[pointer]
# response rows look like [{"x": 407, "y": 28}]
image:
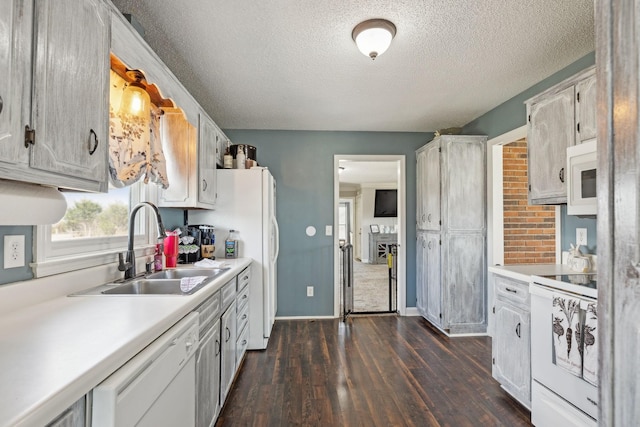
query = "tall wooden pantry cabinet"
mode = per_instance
[{"x": 451, "y": 278}]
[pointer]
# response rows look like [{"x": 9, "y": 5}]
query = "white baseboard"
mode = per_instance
[
  {"x": 411, "y": 311},
  {"x": 304, "y": 317}
]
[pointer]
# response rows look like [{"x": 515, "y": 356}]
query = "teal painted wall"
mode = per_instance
[
  {"x": 511, "y": 115},
  {"x": 302, "y": 164}
]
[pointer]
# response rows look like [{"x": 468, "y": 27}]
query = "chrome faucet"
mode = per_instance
[{"x": 129, "y": 265}]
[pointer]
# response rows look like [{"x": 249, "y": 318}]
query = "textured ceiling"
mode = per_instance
[{"x": 291, "y": 64}]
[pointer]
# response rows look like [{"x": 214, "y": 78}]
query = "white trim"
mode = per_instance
[
  {"x": 411, "y": 311},
  {"x": 402, "y": 225},
  {"x": 558, "y": 236}
]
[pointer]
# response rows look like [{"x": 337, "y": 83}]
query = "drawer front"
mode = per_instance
[
  {"x": 209, "y": 311},
  {"x": 228, "y": 293},
  {"x": 241, "y": 345},
  {"x": 242, "y": 318},
  {"x": 242, "y": 298},
  {"x": 243, "y": 278},
  {"x": 513, "y": 291}
]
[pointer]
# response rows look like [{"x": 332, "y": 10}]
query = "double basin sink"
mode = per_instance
[{"x": 166, "y": 282}]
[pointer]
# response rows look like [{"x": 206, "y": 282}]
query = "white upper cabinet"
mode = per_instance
[
  {"x": 64, "y": 101},
  {"x": 561, "y": 116},
  {"x": 15, "y": 33},
  {"x": 586, "y": 110},
  {"x": 71, "y": 88},
  {"x": 208, "y": 137}
]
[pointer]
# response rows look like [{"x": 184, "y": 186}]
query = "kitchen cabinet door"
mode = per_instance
[
  {"x": 15, "y": 60},
  {"x": 433, "y": 279},
  {"x": 511, "y": 350},
  {"x": 550, "y": 132},
  {"x": 70, "y": 90},
  {"x": 421, "y": 266},
  {"x": 208, "y": 378},
  {"x": 73, "y": 416},
  {"x": 464, "y": 283},
  {"x": 421, "y": 200},
  {"x": 228, "y": 361},
  {"x": 207, "y": 136},
  {"x": 432, "y": 186},
  {"x": 586, "y": 110}
]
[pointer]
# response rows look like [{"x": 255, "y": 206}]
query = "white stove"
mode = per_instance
[{"x": 564, "y": 350}]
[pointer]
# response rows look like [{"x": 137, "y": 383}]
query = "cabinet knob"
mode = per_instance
[{"x": 93, "y": 138}]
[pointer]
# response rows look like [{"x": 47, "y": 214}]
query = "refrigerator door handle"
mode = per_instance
[{"x": 276, "y": 238}]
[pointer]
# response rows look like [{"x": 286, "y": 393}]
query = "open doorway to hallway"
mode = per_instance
[{"x": 370, "y": 216}]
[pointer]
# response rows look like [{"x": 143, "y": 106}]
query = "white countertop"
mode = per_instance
[
  {"x": 54, "y": 352},
  {"x": 523, "y": 272}
]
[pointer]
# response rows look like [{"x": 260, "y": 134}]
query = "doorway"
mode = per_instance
[{"x": 377, "y": 288}]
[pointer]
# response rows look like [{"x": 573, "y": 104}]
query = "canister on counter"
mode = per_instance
[{"x": 231, "y": 245}]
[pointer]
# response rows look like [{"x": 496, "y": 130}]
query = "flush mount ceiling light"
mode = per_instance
[{"x": 374, "y": 36}]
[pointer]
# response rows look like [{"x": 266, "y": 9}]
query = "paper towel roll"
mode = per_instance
[{"x": 30, "y": 204}]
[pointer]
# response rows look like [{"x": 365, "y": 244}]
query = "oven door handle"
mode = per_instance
[{"x": 518, "y": 330}]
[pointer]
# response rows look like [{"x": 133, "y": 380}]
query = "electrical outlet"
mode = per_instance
[
  {"x": 309, "y": 291},
  {"x": 581, "y": 236},
  {"x": 13, "y": 251}
]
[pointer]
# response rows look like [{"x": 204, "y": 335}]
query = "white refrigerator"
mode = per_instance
[{"x": 247, "y": 203}]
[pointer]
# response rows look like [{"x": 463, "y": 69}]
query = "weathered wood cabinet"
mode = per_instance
[
  {"x": 208, "y": 138},
  {"x": 54, "y": 128},
  {"x": 511, "y": 341},
  {"x": 228, "y": 364},
  {"x": 74, "y": 416},
  {"x": 451, "y": 204},
  {"x": 561, "y": 116}
]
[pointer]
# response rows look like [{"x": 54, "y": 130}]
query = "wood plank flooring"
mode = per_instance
[{"x": 371, "y": 371}]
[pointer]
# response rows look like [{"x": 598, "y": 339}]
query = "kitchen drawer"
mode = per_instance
[
  {"x": 241, "y": 345},
  {"x": 243, "y": 278},
  {"x": 242, "y": 318},
  {"x": 228, "y": 293},
  {"x": 209, "y": 311},
  {"x": 512, "y": 291},
  {"x": 242, "y": 298}
]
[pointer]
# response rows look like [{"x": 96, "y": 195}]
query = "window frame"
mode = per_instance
[{"x": 55, "y": 257}]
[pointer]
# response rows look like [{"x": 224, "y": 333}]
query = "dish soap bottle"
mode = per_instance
[{"x": 240, "y": 157}]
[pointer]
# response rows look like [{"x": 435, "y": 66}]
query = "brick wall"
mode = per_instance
[{"x": 529, "y": 231}]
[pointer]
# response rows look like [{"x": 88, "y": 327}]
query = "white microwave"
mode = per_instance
[{"x": 581, "y": 179}]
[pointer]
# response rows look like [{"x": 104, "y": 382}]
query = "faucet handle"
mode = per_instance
[{"x": 122, "y": 266}]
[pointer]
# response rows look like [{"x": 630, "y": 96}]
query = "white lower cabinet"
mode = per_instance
[
  {"x": 208, "y": 378},
  {"x": 228, "y": 363},
  {"x": 74, "y": 416},
  {"x": 512, "y": 338}
]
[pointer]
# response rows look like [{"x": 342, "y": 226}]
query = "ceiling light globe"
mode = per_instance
[{"x": 373, "y": 37}]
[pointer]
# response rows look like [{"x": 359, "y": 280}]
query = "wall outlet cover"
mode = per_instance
[
  {"x": 13, "y": 251},
  {"x": 309, "y": 291},
  {"x": 581, "y": 236}
]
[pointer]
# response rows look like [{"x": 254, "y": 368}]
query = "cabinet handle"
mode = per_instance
[
  {"x": 95, "y": 142},
  {"x": 244, "y": 342},
  {"x": 429, "y": 217},
  {"x": 578, "y": 126},
  {"x": 245, "y": 278},
  {"x": 0, "y": 104},
  {"x": 244, "y": 296},
  {"x": 204, "y": 185},
  {"x": 511, "y": 290},
  {"x": 217, "y": 347},
  {"x": 518, "y": 330},
  {"x": 561, "y": 175},
  {"x": 423, "y": 218},
  {"x": 244, "y": 316},
  {"x": 429, "y": 245},
  {"x": 228, "y": 335}
]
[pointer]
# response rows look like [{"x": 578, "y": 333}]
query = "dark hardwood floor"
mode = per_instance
[{"x": 371, "y": 371}]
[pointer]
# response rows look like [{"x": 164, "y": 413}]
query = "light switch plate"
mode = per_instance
[
  {"x": 328, "y": 230},
  {"x": 581, "y": 236},
  {"x": 309, "y": 291},
  {"x": 13, "y": 251}
]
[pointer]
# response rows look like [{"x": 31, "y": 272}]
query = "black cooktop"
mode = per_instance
[{"x": 580, "y": 279}]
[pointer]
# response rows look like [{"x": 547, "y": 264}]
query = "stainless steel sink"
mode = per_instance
[
  {"x": 167, "y": 282},
  {"x": 186, "y": 272},
  {"x": 150, "y": 287}
]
